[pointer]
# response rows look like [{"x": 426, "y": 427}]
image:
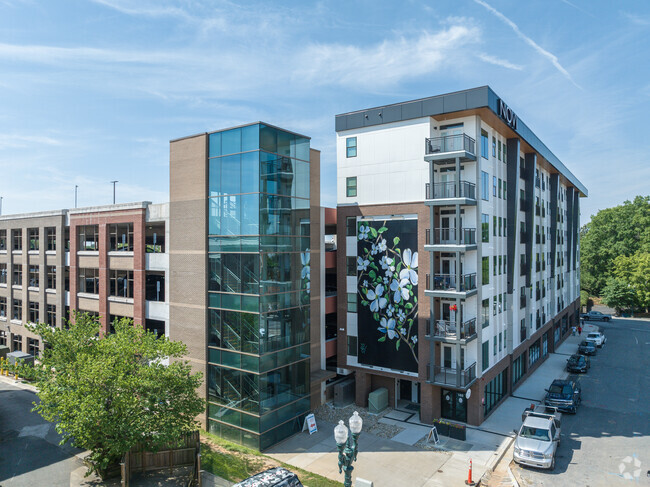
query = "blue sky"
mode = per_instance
[{"x": 92, "y": 91}]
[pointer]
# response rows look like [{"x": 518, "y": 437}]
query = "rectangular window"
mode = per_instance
[
  {"x": 3, "y": 273},
  {"x": 32, "y": 347},
  {"x": 352, "y": 345},
  {"x": 485, "y": 263},
  {"x": 505, "y": 302},
  {"x": 51, "y": 277},
  {"x": 51, "y": 315},
  {"x": 494, "y": 186},
  {"x": 499, "y": 157},
  {"x": 351, "y": 187},
  {"x": 494, "y": 305},
  {"x": 499, "y": 191},
  {"x": 121, "y": 237},
  {"x": 485, "y": 356},
  {"x": 494, "y": 265},
  {"x": 500, "y": 263},
  {"x": 155, "y": 284},
  {"x": 494, "y": 147},
  {"x": 494, "y": 345},
  {"x": 3, "y": 307},
  {"x": 352, "y": 303},
  {"x": 50, "y": 235},
  {"x": 522, "y": 330},
  {"x": 484, "y": 144},
  {"x": 17, "y": 311},
  {"x": 33, "y": 312},
  {"x": 17, "y": 239},
  {"x": 485, "y": 227},
  {"x": 351, "y": 226},
  {"x": 500, "y": 342},
  {"x": 18, "y": 343},
  {"x": 32, "y": 234},
  {"x": 485, "y": 186},
  {"x": 504, "y": 152},
  {"x": 3, "y": 240},
  {"x": 500, "y": 303},
  {"x": 121, "y": 283},
  {"x": 500, "y": 223},
  {"x": 18, "y": 275},
  {"x": 351, "y": 266},
  {"x": 485, "y": 312},
  {"x": 351, "y": 147},
  {"x": 33, "y": 276},
  {"x": 88, "y": 236},
  {"x": 88, "y": 281},
  {"x": 494, "y": 226}
]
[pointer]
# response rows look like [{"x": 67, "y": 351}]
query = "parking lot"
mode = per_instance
[{"x": 606, "y": 443}]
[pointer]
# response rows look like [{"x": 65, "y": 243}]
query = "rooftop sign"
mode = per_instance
[{"x": 508, "y": 115}]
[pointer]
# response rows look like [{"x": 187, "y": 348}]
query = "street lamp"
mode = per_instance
[{"x": 348, "y": 446}]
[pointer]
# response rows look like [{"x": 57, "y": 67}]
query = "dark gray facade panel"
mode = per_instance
[
  {"x": 555, "y": 181},
  {"x": 341, "y": 122},
  {"x": 355, "y": 120},
  {"x": 373, "y": 117},
  {"x": 411, "y": 110},
  {"x": 477, "y": 97},
  {"x": 392, "y": 114},
  {"x": 455, "y": 102},
  {"x": 529, "y": 185},
  {"x": 512, "y": 198},
  {"x": 576, "y": 226},
  {"x": 432, "y": 106},
  {"x": 570, "y": 221}
]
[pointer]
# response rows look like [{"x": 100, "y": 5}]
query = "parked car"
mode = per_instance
[
  {"x": 538, "y": 440},
  {"x": 596, "y": 316},
  {"x": 563, "y": 395},
  {"x": 587, "y": 348},
  {"x": 273, "y": 477},
  {"x": 578, "y": 364},
  {"x": 597, "y": 337}
]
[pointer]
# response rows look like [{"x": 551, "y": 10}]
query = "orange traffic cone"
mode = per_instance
[{"x": 469, "y": 474}]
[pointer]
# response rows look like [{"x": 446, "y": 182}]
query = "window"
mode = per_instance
[
  {"x": 495, "y": 390},
  {"x": 351, "y": 266},
  {"x": 121, "y": 237},
  {"x": 485, "y": 186},
  {"x": 352, "y": 345},
  {"x": 121, "y": 283},
  {"x": 494, "y": 305},
  {"x": 499, "y": 156},
  {"x": 351, "y": 187},
  {"x": 51, "y": 277},
  {"x": 485, "y": 356},
  {"x": 533, "y": 354},
  {"x": 88, "y": 237},
  {"x": 522, "y": 330},
  {"x": 500, "y": 307},
  {"x": 18, "y": 275},
  {"x": 88, "y": 281},
  {"x": 504, "y": 152},
  {"x": 3, "y": 273},
  {"x": 494, "y": 186},
  {"x": 155, "y": 286},
  {"x": 494, "y": 147},
  {"x": 33, "y": 312},
  {"x": 484, "y": 144},
  {"x": 3, "y": 307},
  {"x": 32, "y": 235},
  {"x": 500, "y": 342},
  {"x": 500, "y": 263},
  {"x": 352, "y": 303},
  {"x": 351, "y": 226},
  {"x": 3, "y": 239},
  {"x": 18, "y": 343},
  {"x": 32, "y": 347},
  {"x": 505, "y": 186},
  {"x": 17, "y": 239},
  {"x": 500, "y": 222},
  {"x": 494, "y": 345},
  {"x": 33, "y": 276},
  {"x": 485, "y": 312},
  {"x": 51, "y": 315},
  {"x": 50, "y": 235},
  {"x": 17, "y": 311},
  {"x": 485, "y": 227},
  {"x": 499, "y": 192},
  {"x": 485, "y": 261},
  {"x": 494, "y": 265},
  {"x": 351, "y": 147}
]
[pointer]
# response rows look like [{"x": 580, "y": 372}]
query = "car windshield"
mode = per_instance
[
  {"x": 575, "y": 359},
  {"x": 592, "y": 335},
  {"x": 558, "y": 389},
  {"x": 534, "y": 433},
  {"x": 585, "y": 344}
]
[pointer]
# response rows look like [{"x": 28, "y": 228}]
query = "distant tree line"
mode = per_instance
[{"x": 615, "y": 255}]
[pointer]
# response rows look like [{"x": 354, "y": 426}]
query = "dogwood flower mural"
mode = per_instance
[{"x": 388, "y": 278}]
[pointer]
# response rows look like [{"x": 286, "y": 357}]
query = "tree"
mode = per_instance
[
  {"x": 108, "y": 394},
  {"x": 619, "y": 295},
  {"x": 634, "y": 270}
]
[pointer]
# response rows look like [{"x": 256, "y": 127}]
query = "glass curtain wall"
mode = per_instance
[{"x": 259, "y": 283}]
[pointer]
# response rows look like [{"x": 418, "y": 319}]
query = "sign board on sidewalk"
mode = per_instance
[
  {"x": 433, "y": 435},
  {"x": 310, "y": 424}
]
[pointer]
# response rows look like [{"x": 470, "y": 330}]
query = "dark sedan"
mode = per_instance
[
  {"x": 587, "y": 348},
  {"x": 578, "y": 364}
]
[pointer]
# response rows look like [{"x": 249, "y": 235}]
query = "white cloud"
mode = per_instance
[
  {"x": 13, "y": 141},
  {"x": 637, "y": 19},
  {"x": 551, "y": 57},
  {"x": 499, "y": 62}
]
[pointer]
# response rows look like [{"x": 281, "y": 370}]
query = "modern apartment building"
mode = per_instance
[
  {"x": 245, "y": 228},
  {"x": 458, "y": 231},
  {"x": 109, "y": 261}
]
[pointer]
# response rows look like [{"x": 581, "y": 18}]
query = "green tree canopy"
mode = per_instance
[
  {"x": 107, "y": 394},
  {"x": 619, "y": 295},
  {"x": 619, "y": 231}
]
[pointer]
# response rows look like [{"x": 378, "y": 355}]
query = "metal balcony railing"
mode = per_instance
[
  {"x": 447, "y": 329},
  {"x": 450, "y": 143},
  {"x": 448, "y": 236},
  {"x": 447, "y": 282},
  {"x": 452, "y": 377},
  {"x": 449, "y": 190}
]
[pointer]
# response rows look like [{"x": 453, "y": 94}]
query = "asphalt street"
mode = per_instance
[
  {"x": 29, "y": 452},
  {"x": 607, "y": 443}
]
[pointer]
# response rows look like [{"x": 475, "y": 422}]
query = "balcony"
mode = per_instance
[
  {"x": 447, "y": 193},
  {"x": 450, "y": 239},
  {"x": 448, "y": 148},
  {"x": 448, "y": 376},
  {"x": 446, "y": 331},
  {"x": 447, "y": 286}
]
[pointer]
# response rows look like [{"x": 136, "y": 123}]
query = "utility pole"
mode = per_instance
[
  {"x": 0, "y": 205},
  {"x": 75, "y": 195},
  {"x": 114, "y": 190}
]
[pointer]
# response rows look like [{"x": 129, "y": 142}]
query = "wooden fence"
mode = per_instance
[{"x": 184, "y": 453}]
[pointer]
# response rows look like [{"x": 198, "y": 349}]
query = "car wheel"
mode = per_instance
[{"x": 552, "y": 467}]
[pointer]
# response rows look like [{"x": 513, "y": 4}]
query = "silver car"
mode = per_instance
[{"x": 537, "y": 441}]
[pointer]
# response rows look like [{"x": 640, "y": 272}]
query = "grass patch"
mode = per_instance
[{"x": 235, "y": 462}]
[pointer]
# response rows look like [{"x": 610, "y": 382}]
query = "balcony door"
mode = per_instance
[
  {"x": 452, "y": 143},
  {"x": 449, "y": 357}
]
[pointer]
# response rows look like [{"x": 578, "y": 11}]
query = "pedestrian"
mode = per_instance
[
  {"x": 579, "y": 330},
  {"x": 573, "y": 330}
]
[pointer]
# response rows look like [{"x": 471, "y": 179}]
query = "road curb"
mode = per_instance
[{"x": 505, "y": 446}]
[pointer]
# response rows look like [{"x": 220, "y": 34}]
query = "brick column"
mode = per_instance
[
  {"x": 74, "y": 279},
  {"x": 139, "y": 233},
  {"x": 104, "y": 289}
]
